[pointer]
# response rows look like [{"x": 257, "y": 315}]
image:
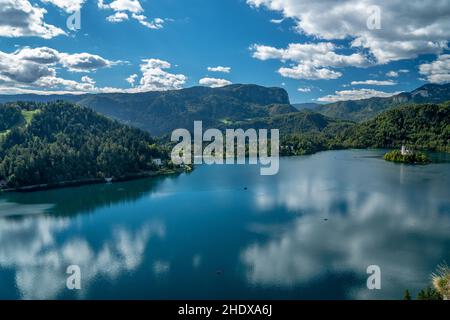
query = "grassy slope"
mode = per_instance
[
  {"x": 29, "y": 115},
  {"x": 27, "y": 118}
]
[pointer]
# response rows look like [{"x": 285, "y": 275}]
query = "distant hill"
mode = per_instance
[
  {"x": 422, "y": 126},
  {"x": 307, "y": 106},
  {"x": 360, "y": 110},
  {"x": 41, "y": 97},
  {"x": 58, "y": 141},
  {"x": 161, "y": 112},
  {"x": 305, "y": 121}
]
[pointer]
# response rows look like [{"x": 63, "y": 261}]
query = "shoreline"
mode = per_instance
[
  {"x": 143, "y": 175},
  {"x": 91, "y": 181}
]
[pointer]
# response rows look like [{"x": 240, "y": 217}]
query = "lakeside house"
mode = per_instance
[{"x": 157, "y": 161}]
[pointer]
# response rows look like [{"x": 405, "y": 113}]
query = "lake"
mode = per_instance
[{"x": 225, "y": 232}]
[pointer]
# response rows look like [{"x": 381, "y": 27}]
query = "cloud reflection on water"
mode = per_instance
[
  {"x": 29, "y": 247},
  {"x": 341, "y": 226}
]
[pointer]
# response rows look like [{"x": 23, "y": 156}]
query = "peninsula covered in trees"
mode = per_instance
[{"x": 45, "y": 143}]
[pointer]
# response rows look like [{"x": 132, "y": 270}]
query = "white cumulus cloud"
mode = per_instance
[
  {"x": 19, "y": 18},
  {"x": 87, "y": 79},
  {"x": 123, "y": 9},
  {"x": 35, "y": 68},
  {"x": 214, "y": 82},
  {"x": 155, "y": 77},
  {"x": 437, "y": 71},
  {"x": 392, "y": 74},
  {"x": 395, "y": 74},
  {"x": 357, "y": 94},
  {"x": 68, "y": 6},
  {"x": 132, "y": 79},
  {"x": 276, "y": 21},
  {"x": 117, "y": 17},
  {"x": 406, "y": 31},
  {"x": 84, "y": 62},
  {"x": 309, "y": 72},
  {"x": 375, "y": 83},
  {"x": 219, "y": 69},
  {"x": 312, "y": 61},
  {"x": 13, "y": 69}
]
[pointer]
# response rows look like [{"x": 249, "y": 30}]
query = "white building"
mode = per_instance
[
  {"x": 157, "y": 161},
  {"x": 405, "y": 151}
]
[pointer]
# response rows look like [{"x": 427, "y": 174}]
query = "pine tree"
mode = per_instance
[{"x": 407, "y": 295}]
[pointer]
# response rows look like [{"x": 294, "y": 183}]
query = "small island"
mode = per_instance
[{"x": 407, "y": 156}]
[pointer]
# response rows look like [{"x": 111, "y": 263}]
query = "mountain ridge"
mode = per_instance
[
  {"x": 364, "y": 109},
  {"x": 160, "y": 112}
]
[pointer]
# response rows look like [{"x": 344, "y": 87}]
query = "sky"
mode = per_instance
[{"x": 320, "y": 51}]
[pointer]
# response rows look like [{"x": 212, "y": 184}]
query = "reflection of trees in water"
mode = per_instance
[
  {"x": 32, "y": 223},
  {"x": 439, "y": 157},
  {"x": 88, "y": 198},
  {"x": 30, "y": 247}
]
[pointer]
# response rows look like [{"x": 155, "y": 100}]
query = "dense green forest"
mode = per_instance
[
  {"x": 421, "y": 126},
  {"x": 64, "y": 142},
  {"x": 10, "y": 116},
  {"x": 302, "y": 132},
  {"x": 304, "y": 121},
  {"x": 424, "y": 126}
]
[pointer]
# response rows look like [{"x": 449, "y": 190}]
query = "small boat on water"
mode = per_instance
[{"x": 108, "y": 180}]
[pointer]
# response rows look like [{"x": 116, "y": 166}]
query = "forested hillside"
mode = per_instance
[
  {"x": 293, "y": 123},
  {"x": 424, "y": 126},
  {"x": 53, "y": 142},
  {"x": 160, "y": 112},
  {"x": 362, "y": 110},
  {"x": 9, "y": 117}
]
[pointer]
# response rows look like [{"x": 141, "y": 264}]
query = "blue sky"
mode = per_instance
[{"x": 170, "y": 44}]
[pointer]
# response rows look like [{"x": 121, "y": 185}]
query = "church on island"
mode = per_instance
[{"x": 405, "y": 151}]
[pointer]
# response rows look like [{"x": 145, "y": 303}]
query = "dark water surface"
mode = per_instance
[{"x": 309, "y": 232}]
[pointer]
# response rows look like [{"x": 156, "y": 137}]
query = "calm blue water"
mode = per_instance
[{"x": 309, "y": 232}]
